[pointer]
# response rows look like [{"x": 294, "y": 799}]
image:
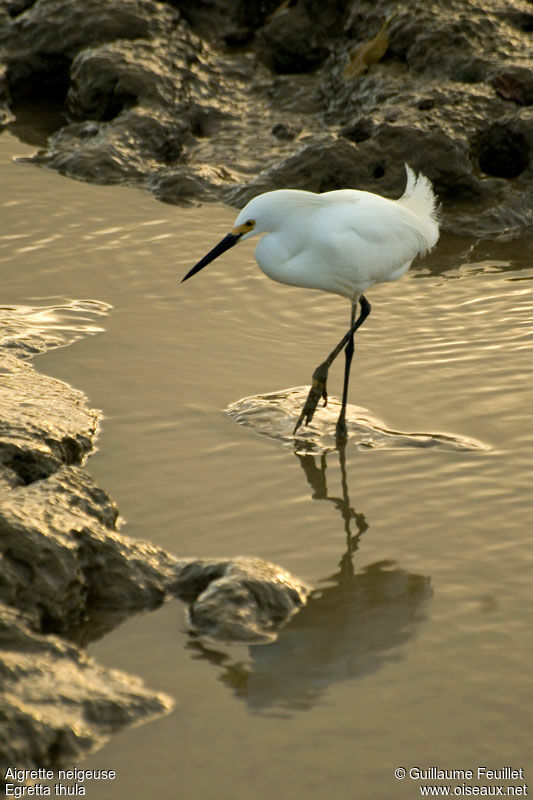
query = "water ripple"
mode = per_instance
[{"x": 36, "y": 329}]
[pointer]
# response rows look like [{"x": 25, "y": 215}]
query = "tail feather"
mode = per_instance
[{"x": 420, "y": 198}]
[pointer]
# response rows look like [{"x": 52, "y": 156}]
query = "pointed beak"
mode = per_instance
[{"x": 227, "y": 242}]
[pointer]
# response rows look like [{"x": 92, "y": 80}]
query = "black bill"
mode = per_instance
[{"x": 227, "y": 242}]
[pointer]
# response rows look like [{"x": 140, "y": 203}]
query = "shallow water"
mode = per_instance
[{"x": 416, "y": 647}]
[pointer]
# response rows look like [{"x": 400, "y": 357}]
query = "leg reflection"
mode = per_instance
[{"x": 355, "y": 523}]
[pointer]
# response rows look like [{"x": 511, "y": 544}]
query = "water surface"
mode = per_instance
[{"x": 416, "y": 647}]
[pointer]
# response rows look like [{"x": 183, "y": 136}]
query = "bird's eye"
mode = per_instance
[{"x": 250, "y": 223}]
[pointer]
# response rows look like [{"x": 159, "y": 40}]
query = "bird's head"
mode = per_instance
[
  {"x": 244, "y": 228},
  {"x": 265, "y": 213}
]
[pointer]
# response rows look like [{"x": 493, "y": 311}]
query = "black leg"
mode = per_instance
[
  {"x": 341, "y": 432},
  {"x": 320, "y": 375}
]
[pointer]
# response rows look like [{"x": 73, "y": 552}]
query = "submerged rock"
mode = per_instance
[
  {"x": 274, "y": 415},
  {"x": 218, "y": 100}
]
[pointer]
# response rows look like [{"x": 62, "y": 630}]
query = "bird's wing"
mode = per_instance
[{"x": 368, "y": 238}]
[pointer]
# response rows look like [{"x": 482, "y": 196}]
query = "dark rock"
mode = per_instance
[
  {"x": 518, "y": 18},
  {"x": 239, "y": 600},
  {"x": 515, "y": 83},
  {"x": 358, "y": 131},
  {"x": 16, "y": 7},
  {"x": 376, "y": 164},
  {"x": 282, "y": 131},
  {"x": 239, "y": 38},
  {"x": 142, "y": 92},
  {"x": 502, "y": 151},
  {"x": 60, "y": 26},
  {"x": 44, "y": 424},
  {"x": 425, "y": 104},
  {"x": 56, "y": 703},
  {"x": 207, "y": 17},
  {"x": 254, "y": 13},
  {"x": 291, "y": 42}
]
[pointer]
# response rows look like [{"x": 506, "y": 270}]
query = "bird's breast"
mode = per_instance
[
  {"x": 274, "y": 253},
  {"x": 309, "y": 262}
]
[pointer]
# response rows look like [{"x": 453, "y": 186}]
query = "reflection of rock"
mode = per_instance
[
  {"x": 144, "y": 89},
  {"x": 242, "y": 600},
  {"x": 56, "y": 703}
]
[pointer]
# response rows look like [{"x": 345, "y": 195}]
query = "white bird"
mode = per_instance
[{"x": 341, "y": 242}]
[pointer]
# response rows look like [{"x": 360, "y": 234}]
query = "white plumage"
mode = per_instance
[{"x": 341, "y": 242}]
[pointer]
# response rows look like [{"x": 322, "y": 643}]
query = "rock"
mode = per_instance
[
  {"x": 42, "y": 41},
  {"x": 105, "y": 80},
  {"x": 291, "y": 42},
  {"x": 63, "y": 559},
  {"x": 65, "y": 569},
  {"x": 56, "y": 703},
  {"x": 502, "y": 149},
  {"x": 160, "y": 97},
  {"x": 133, "y": 146},
  {"x": 188, "y": 184},
  {"x": 44, "y": 423},
  {"x": 62, "y": 26},
  {"x": 62, "y": 556},
  {"x": 238, "y": 600},
  {"x": 376, "y": 164},
  {"x": 514, "y": 83},
  {"x": 320, "y": 164},
  {"x": 239, "y": 38},
  {"x": 282, "y": 131}
]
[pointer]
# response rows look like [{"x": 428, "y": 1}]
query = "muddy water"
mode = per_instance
[{"x": 415, "y": 650}]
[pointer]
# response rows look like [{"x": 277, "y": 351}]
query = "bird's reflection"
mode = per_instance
[{"x": 350, "y": 627}]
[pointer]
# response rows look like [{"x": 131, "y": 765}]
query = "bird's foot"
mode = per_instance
[{"x": 317, "y": 391}]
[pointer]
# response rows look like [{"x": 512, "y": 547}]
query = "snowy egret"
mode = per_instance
[{"x": 341, "y": 242}]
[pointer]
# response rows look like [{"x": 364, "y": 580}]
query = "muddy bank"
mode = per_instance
[
  {"x": 222, "y": 100},
  {"x": 68, "y": 575}
]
